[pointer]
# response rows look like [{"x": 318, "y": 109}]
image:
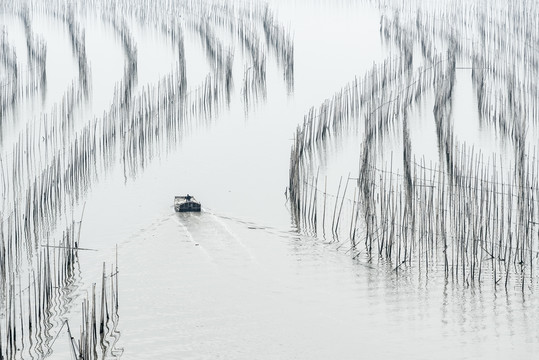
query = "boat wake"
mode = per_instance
[{"x": 211, "y": 232}]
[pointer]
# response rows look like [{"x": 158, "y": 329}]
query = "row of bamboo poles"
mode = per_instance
[
  {"x": 53, "y": 161},
  {"x": 470, "y": 215}
]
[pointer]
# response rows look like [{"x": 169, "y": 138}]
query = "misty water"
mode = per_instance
[{"x": 243, "y": 279}]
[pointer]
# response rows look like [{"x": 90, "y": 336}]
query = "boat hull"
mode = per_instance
[
  {"x": 188, "y": 206},
  {"x": 185, "y": 204}
]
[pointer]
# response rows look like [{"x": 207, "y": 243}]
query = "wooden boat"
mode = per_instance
[{"x": 186, "y": 203}]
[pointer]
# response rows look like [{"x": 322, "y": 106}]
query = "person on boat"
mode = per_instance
[{"x": 188, "y": 197}]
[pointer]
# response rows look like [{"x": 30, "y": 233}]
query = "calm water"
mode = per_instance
[{"x": 238, "y": 281}]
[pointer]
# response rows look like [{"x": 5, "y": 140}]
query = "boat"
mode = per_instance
[{"x": 186, "y": 203}]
